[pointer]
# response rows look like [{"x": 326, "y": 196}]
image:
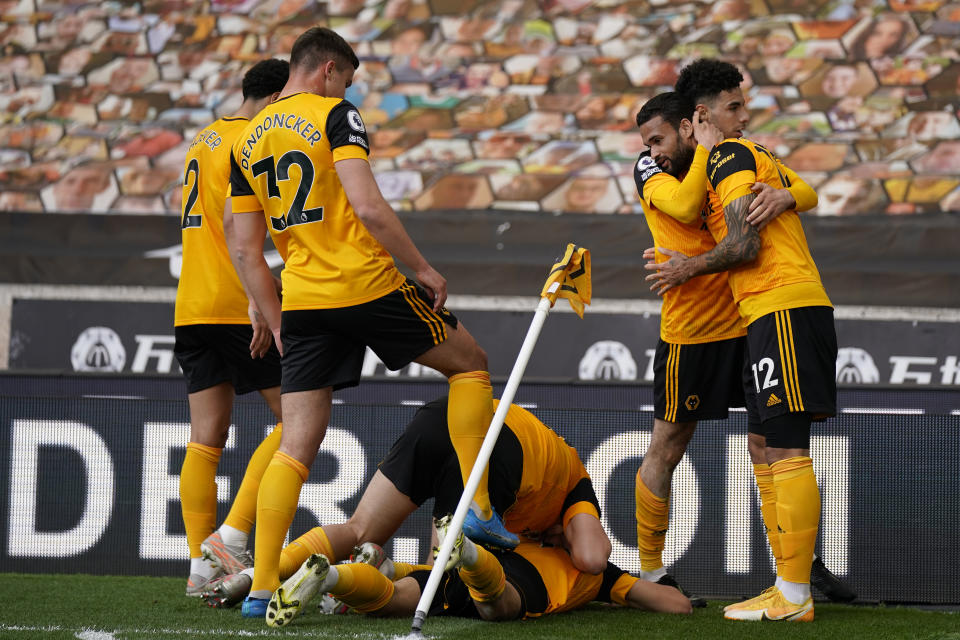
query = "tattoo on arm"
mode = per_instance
[{"x": 741, "y": 244}]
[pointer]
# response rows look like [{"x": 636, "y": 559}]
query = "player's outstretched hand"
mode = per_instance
[
  {"x": 260, "y": 343},
  {"x": 769, "y": 203},
  {"x": 436, "y": 286},
  {"x": 705, "y": 132},
  {"x": 672, "y": 273}
]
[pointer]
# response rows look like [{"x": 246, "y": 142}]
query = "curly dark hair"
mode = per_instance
[
  {"x": 316, "y": 45},
  {"x": 705, "y": 79},
  {"x": 265, "y": 78},
  {"x": 670, "y": 105}
]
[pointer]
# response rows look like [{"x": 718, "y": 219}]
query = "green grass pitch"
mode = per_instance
[{"x": 82, "y": 607}]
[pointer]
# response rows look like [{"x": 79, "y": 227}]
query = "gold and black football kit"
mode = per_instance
[
  {"x": 342, "y": 291},
  {"x": 211, "y": 326},
  {"x": 791, "y": 338}
]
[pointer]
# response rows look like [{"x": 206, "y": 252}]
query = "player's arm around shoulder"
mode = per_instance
[
  {"x": 772, "y": 201},
  {"x": 683, "y": 199},
  {"x": 674, "y": 197},
  {"x": 731, "y": 171}
]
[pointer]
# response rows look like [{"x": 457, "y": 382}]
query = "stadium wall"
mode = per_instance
[
  {"x": 120, "y": 330},
  {"x": 864, "y": 260},
  {"x": 90, "y": 482}
]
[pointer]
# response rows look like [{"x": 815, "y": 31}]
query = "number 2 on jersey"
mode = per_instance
[
  {"x": 196, "y": 220},
  {"x": 296, "y": 214}
]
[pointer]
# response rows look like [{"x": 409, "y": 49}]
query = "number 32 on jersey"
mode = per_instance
[{"x": 280, "y": 171}]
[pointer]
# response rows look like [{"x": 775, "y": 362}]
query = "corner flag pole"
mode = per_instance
[{"x": 569, "y": 278}]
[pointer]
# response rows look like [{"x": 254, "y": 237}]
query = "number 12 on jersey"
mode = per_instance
[
  {"x": 766, "y": 367},
  {"x": 296, "y": 214}
]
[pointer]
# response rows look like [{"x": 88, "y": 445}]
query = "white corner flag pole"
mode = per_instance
[{"x": 433, "y": 582}]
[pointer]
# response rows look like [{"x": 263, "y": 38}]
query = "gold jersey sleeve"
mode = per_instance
[
  {"x": 783, "y": 276},
  {"x": 283, "y": 166},
  {"x": 702, "y": 309},
  {"x": 209, "y": 291}
]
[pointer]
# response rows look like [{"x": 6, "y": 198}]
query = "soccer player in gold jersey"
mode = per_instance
[
  {"x": 300, "y": 170},
  {"x": 791, "y": 341},
  {"x": 537, "y": 481},
  {"x": 223, "y": 346},
  {"x": 699, "y": 356},
  {"x": 531, "y": 581}
]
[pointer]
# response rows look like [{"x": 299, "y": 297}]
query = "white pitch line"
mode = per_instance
[
  {"x": 883, "y": 411},
  {"x": 92, "y": 634},
  {"x": 106, "y": 396}
]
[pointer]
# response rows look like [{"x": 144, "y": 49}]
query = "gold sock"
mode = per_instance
[
  {"x": 198, "y": 493},
  {"x": 653, "y": 518},
  {"x": 297, "y": 552},
  {"x": 276, "y": 506},
  {"x": 768, "y": 509},
  {"x": 244, "y": 507},
  {"x": 469, "y": 412},
  {"x": 486, "y": 580},
  {"x": 403, "y": 569},
  {"x": 798, "y": 515},
  {"x": 362, "y": 587}
]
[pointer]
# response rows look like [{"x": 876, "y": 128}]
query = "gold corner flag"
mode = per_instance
[{"x": 570, "y": 278}]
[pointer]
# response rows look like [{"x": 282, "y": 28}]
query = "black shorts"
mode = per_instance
[
  {"x": 423, "y": 464},
  {"x": 698, "y": 381},
  {"x": 211, "y": 354},
  {"x": 453, "y": 596},
  {"x": 791, "y": 363},
  {"x": 325, "y": 347}
]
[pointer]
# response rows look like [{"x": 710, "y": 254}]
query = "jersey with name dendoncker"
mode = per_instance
[
  {"x": 783, "y": 275},
  {"x": 209, "y": 291},
  {"x": 702, "y": 309},
  {"x": 283, "y": 165}
]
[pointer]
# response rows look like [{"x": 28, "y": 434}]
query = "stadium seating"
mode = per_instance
[{"x": 512, "y": 105}]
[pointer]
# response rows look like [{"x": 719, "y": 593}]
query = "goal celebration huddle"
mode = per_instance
[{"x": 745, "y": 322}]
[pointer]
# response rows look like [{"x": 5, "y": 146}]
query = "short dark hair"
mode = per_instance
[
  {"x": 265, "y": 78},
  {"x": 316, "y": 45},
  {"x": 706, "y": 79},
  {"x": 670, "y": 105}
]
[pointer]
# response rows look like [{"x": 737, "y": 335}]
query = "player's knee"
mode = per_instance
[
  {"x": 665, "y": 457},
  {"x": 757, "y": 446},
  {"x": 359, "y": 530},
  {"x": 680, "y": 605},
  {"x": 672, "y": 455},
  {"x": 478, "y": 358}
]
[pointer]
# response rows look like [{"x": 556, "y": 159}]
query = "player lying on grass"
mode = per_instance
[
  {"x": 536, "y": 480},
  {"x": 530, "y": 581}
]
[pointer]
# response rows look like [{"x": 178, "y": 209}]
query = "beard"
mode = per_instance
[{"x": 680, "y": 163}]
